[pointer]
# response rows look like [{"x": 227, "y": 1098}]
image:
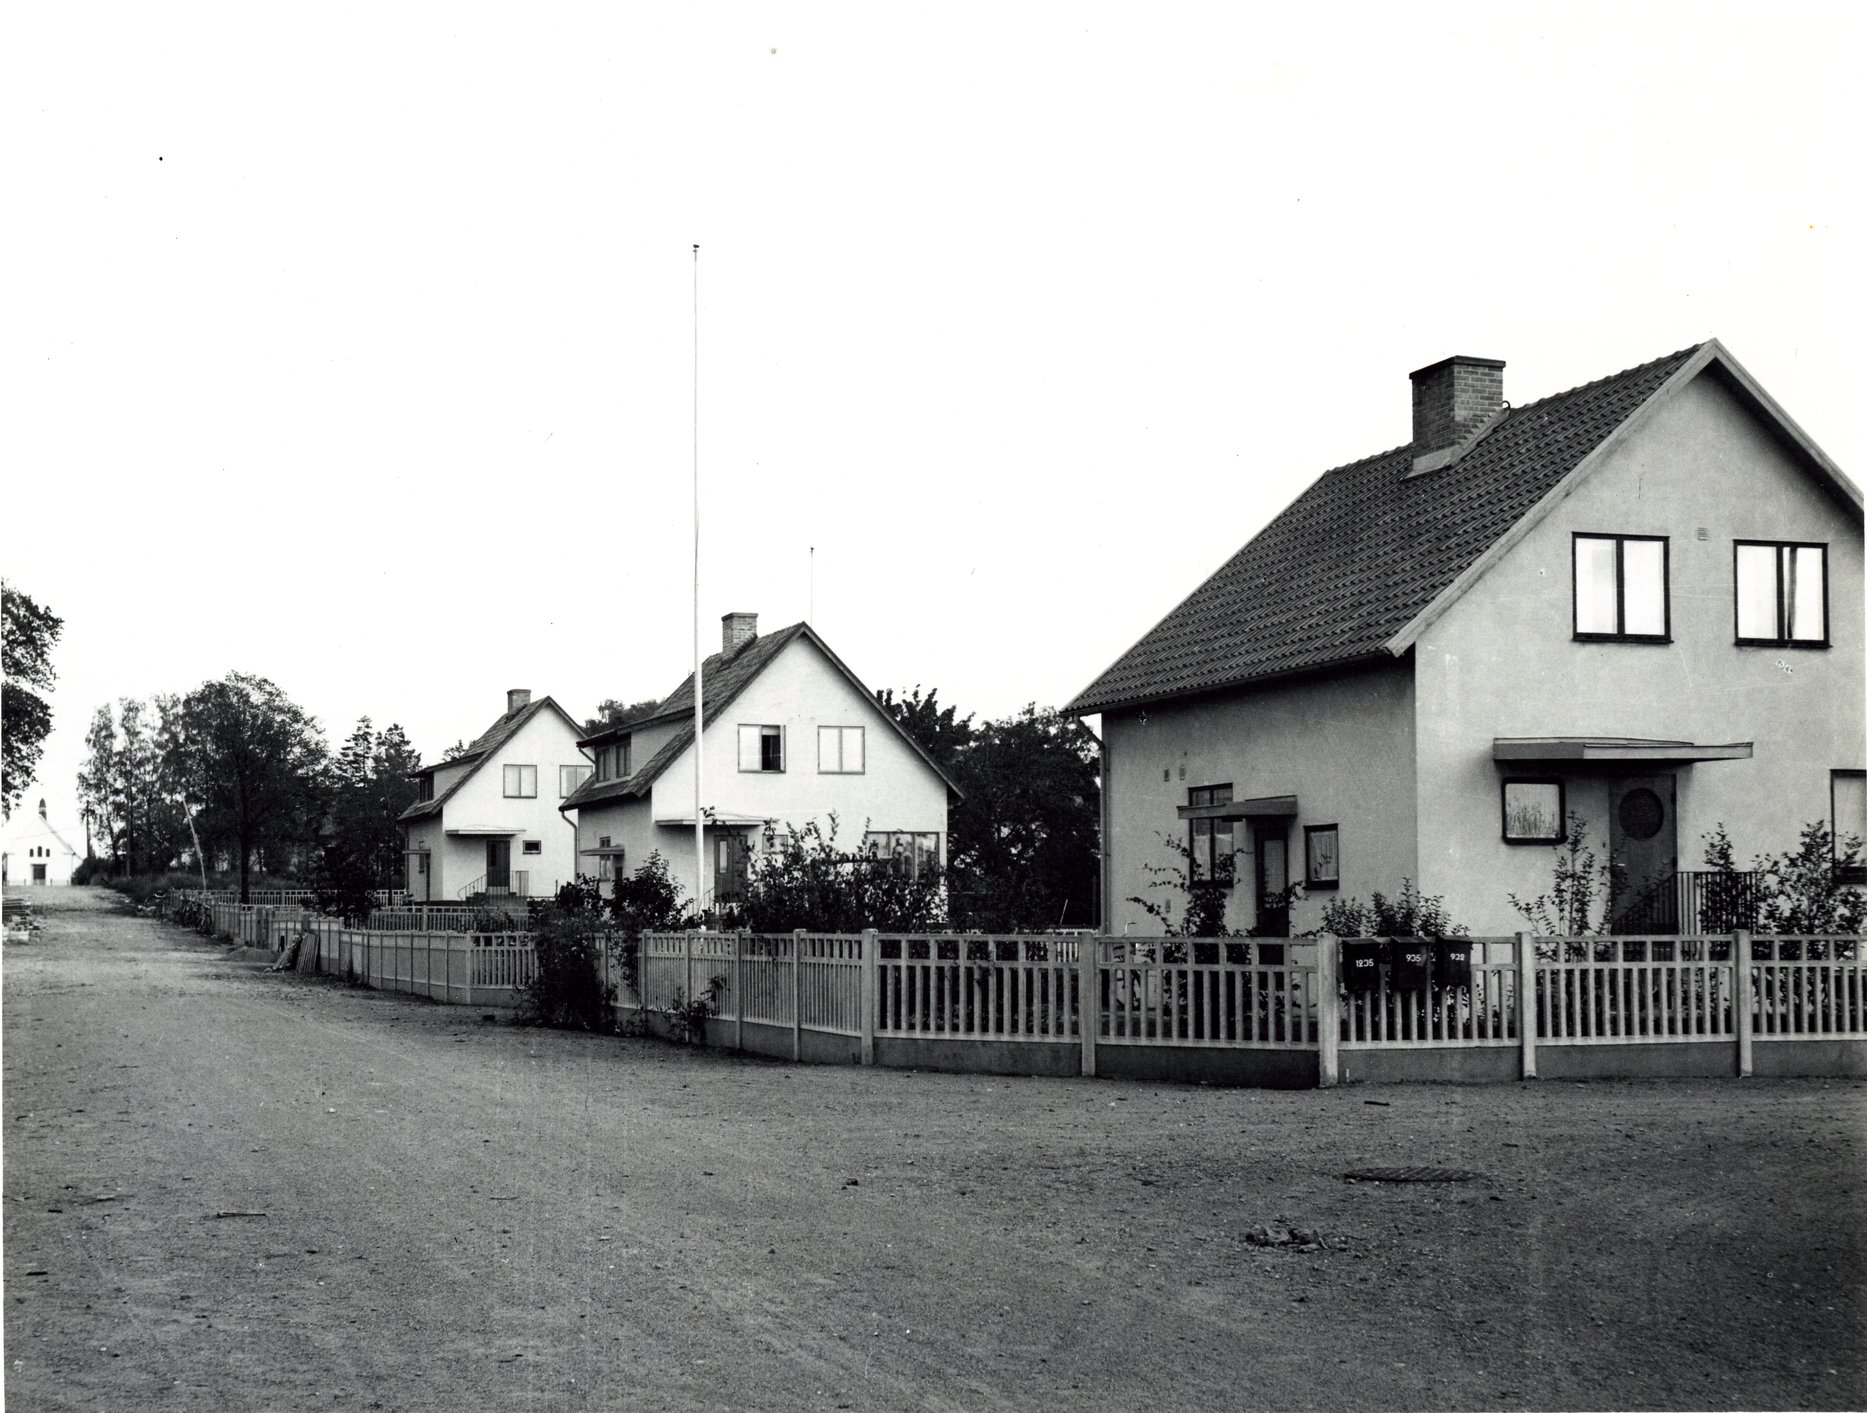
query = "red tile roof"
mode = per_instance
[{"x": 1366, "y": 548}]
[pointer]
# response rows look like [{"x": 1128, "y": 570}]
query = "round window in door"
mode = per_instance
[{"x": 1642, "y": 814}]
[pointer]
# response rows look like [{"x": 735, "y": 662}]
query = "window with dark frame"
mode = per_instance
[
  {"x": 521, "y": 782},
  {"x": 1212, "y": 842},
  {"x": 1534, "y": 811},
  {"x": 761, "y": 749},
  {"x": 1781, "y": 594},
  {"x": 605, "y": 863},
  {"x": 532, "y": 846},
  {"x": 1620, "y": 590},
  {"x": 1322, "y": 859}
]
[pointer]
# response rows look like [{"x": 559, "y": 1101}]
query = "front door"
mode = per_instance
[
  {"x": 38, "y": 873},
  {"x": 498, "y": 865},
  {"x": 1643, "y": 840},
  {"x": 1273, "y": 878},
  {"x": 730, "y": 856}
]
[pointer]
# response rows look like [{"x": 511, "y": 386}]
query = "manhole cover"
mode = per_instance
[{"x": 1412, "y": 1175}]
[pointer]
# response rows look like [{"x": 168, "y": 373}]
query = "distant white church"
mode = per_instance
[{"x": 33, "y": 852}]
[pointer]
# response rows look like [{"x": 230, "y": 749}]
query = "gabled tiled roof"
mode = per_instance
[
  {"x": 1365, "y": 549},
  {"x": 476, "y": 754},
  {"x": 723, "y": 679}
]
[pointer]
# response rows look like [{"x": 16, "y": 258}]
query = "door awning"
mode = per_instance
[
  {"x": 1611, "y": 750},
  {"x": 722, "y": 818},
  {"x": 482, "y": 831},
  {"x": 1264, "y": 807},
  {"x": 603, "y": 851}
]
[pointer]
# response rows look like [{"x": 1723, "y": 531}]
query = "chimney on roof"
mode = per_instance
[
  {"x": 736, "y": 630},
  {"x": 42, "y": 809},
  {"x": 517, "y": 700},
  {"x": 1452, "y": 399}
]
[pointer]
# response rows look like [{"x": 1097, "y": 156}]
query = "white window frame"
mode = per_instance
[
  {"x": 752, "y": 738},
  {"x": 576, "y": 782},
  {"x": 514, "y": 779},
  {"x": 833, "y": 750}
]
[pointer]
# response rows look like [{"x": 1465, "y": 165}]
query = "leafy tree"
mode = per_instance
[
  {"x": 943, "y": 735},
  {"x": 454, "y": 752},
  {"x": 612, "y": 712},
  {"x": 1023, "y": 844},
  {"x": 252, "y": 763},
  {"x": 26, "y": 641},
  {"x": 122, "y": 787}
]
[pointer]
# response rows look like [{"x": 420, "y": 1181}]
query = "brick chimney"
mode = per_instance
[
  {"x": 517, "y": 700},
  {"x": 736, "y": 630},
  {"x": 1452, "y": 399}
]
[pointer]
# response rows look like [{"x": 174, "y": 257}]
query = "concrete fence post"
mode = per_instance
[
  {"x": 797, "y": 994},
  {"x": 871, "y": 991},
  {"x": 739, "y": 994},
  {"x": 1740, "y": 1000},
  {"x": 1328, "y": 1014},
  {"x": 1526, "y": 1002},
  {"x": 1089, "y": 1000}
]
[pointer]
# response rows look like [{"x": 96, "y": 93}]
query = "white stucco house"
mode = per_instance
[
  {"x": 33, "y": 851},
  {"x": 791, "y": 736},
  {"x": 1638, "y": 602},
  {"x": 486, "y": 823}
]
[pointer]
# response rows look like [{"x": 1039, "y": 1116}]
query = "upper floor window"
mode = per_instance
[
  {"x": 761, "y": 748},
  {"x": 424, "y": 788},
  {"x": 1211, "y": 840},
  {"x": 1620, "y": 588},
  {"x": 1782, "y": 594},
  {"x": 569, "y": 778},
  {"x": 521, "y": 782},
  {"x": 839, "y": 750}
]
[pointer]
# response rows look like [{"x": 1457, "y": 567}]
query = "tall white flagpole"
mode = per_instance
[{"x": 700, "y": 831}]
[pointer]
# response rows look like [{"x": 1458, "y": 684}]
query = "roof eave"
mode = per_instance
[{"x": 1341, "y": 664}]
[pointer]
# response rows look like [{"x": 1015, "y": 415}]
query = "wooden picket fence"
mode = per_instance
[{"x": 1077, "y": 994}]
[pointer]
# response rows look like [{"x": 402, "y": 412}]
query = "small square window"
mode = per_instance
[
  {"x": 761, "y": 749},
  {"x": 532, "y": 846},
  {"x": 521, "y": 782},
  {"x": 839, "y": 750},
  {"x": 1533, "y": 812},
  {"x": 1620, "y": 589},
  {"x": 1322, "y": 867},
  {"x": 1782, "y": 594}
]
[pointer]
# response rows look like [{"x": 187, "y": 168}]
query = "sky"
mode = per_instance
[{"x": 355, "y": 345}]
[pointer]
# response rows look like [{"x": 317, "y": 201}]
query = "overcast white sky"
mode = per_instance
[{"x": 352, "y": 345}]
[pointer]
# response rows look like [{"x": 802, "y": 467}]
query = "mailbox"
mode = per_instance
[
  {"x": 1362, "y": 965},
  {"x": 1455, "y": 961},
  {"x": 1412, "y": 960}
]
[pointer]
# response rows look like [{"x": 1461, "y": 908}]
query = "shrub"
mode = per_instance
[
  {"x": 567, "y": 989},
  {"x": 801, "y": 879},
  {"x": 1797, "y": 892},
  {"x": 1581, "y": 897},
  {"x": 1202, "y": 908},
  {"x": 1411, "y": 914}
]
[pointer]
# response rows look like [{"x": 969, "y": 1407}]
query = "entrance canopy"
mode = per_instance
[
  {"x": 1264, "y": 807},
  {"x": 483, "y": 831},
  {"x": 723, "y": 818},
  {"x": 1610, "y": 750}
]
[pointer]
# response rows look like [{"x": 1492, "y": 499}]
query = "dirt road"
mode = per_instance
[{"x": 231, "y": 1189}]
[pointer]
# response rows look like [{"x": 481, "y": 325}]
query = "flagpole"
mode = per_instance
[{"x": 700, "y": 848}]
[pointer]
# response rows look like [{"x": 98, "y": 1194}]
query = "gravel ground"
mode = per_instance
[{"x": 225, "y": 1188}]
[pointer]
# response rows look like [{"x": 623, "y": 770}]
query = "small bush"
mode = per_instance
[
  {"x": 687, "y": 1017},
  {"x": 567, "y": 990},
  {"x": 1411, "y": 914}
]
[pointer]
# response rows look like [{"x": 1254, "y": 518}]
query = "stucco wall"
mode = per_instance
[
  {"x": 1342, "y": 744},
  {"x": 1503, "y": 661},
  {"x": 799, "y": 690},
  {"x": 546, "y": 742}
]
